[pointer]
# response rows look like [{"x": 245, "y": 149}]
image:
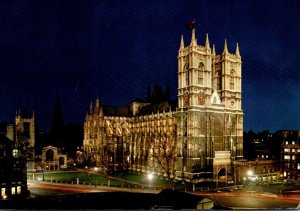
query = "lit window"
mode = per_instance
[
  {"x": 293, "y": 157},
  {"x": 262, "y": 156},
  {"x": 18, "y": 189},
  {"x": 287, "y": 150},
  {"x": 267, "y": 156},
  {"x": 3, "y": 192},
  {"x": 284, "y": 174},
  {"x": 286, "y": 157},
  {"x": 298, "y": 150},
  {"x": 286, "y": 142},
  {"x": 15, "y": 153},
  {"x": 293, "y": 150},
  {"x": 293, "y": 142},
  {"x": 13, "y": 190},
  {"x": 298, "y": 167}
]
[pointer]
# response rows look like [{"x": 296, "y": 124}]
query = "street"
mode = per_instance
[
  {"x": 44, "y": 189},
  {"x": 240, "y": 199}
]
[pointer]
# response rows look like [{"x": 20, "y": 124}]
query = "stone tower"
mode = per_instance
[
  {"x": 209, "y": 114},
  {"x": 25, "y": 125}
]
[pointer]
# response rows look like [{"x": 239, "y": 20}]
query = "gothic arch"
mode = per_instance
[
  {"x": 61, "y": 161},
  {"x": 217, "y": 133},
  {"x": 200, "y": 73},
  {"x": 49, "y": 155},
  {"x": 186, "y": 71},
  {"x": 232, "y": 79}
]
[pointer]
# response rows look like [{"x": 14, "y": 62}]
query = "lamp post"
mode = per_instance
[{"x": 150, "y": 177}]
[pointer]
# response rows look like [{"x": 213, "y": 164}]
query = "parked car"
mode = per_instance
[
  {"x": 227, "y": 189},
  {"x": 235, "y": 188}
]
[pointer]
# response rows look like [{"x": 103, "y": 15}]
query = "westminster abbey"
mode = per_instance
[{"x": 200, "y": 133}]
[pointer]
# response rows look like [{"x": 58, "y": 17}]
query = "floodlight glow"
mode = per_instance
[
  {"x": 150, "y": 176},
  {"x": 250, "y": 173}
]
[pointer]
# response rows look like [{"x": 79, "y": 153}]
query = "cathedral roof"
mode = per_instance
[
  {"x": 123, "y": 111},
  {"x": 158, "y": 108}
]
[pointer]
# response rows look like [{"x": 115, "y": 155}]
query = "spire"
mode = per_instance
[
  {"x": 91, "y": 108},
  {"x": 225, "y": 51},
  {"x": 181, "y": 42},
  {"x": 213, "y": 51},
  {"x": 97, "y": 106},
  {"x": 237, "y": 50},
  {"x": 207, "y": 42},
  {"x": 193, "y": 39},
  {"x": 101, "y": 112}
]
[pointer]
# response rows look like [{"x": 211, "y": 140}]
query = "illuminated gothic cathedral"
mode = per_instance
[{"x": 201, "y": 132}]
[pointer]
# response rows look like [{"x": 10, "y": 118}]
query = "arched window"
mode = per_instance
[
  {"x": 231, "y": 80},
  {"x": 201, "y": 73},
  {"x": 50, "y": 155},
  {"x": 61, "y": 161},
  {"x": 218, "y": 80},
  {"x": 186, "y": 70}
]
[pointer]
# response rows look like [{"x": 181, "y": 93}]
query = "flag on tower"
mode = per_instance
[{"x": 191, "y": 24}]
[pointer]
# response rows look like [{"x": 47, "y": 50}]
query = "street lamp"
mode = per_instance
[
  {"x": 250, "y": 173},
  {"x": 150, "y": 177}
]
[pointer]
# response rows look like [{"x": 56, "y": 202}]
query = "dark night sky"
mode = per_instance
[{"x": 81, "y": 50}]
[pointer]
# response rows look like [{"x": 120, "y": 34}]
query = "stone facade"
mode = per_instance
[
  {"x": 203, "y": 132},
  {"x": 131, "y": 142},
  {"x": 209, "y": 114}
]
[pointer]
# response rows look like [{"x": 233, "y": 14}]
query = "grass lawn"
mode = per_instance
[
  {"x": 143, "y": 179},
  {"x": 89, "y": 178},
  {"x": 72, "y": 176}
]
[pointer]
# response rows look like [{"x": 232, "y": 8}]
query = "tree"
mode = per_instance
[
  {"x": 22, "y": 143},
  {"x": 164, "y": 151}
]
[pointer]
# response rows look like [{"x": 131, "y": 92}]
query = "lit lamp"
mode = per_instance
[{"x": 150, "y": 177}]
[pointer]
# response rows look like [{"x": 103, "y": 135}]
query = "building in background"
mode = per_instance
[
  {"x": 291, "y": 155},
  {"x": 202, "y": 132},
  {"x": 52, "y": 159},
  {"x": 13, "y": 171},
  {"x": 25, "y": 134}
]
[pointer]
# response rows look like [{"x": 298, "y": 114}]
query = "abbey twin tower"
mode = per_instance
[{"x": 199, "y": 133}]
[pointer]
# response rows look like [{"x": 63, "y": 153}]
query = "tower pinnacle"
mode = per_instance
[
  {"x": 193, "y": 39},
  {"x": 181, "y": 42},
  {"x": 91, "y": 108},
  {"x": 207, "y": 42},
  {"x": 225, "y": 51},
  {"x": 213, "y": 51},
  {"x": 237, "y": 50}
]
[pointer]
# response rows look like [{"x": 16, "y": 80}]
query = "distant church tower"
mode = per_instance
[
  {"x": 25, "y": 125},
  {"x": 209, "y": 114}
]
